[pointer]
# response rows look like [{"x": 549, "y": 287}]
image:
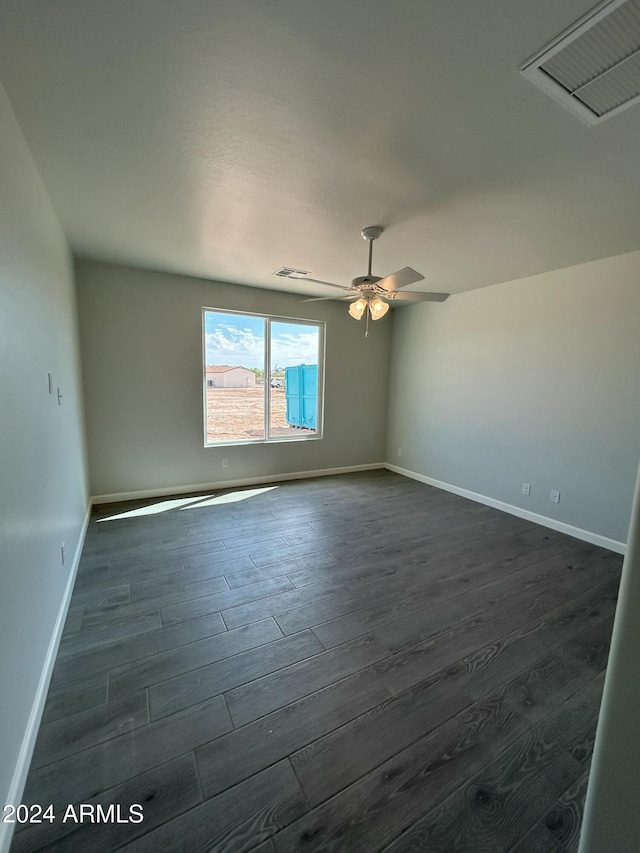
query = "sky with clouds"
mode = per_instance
[{"x": 239, "y": 339}]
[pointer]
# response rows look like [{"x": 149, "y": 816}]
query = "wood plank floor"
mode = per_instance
[{"x": 353, "y": 663}]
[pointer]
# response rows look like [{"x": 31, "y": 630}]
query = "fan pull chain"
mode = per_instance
[{"x": 366, "y": 328}]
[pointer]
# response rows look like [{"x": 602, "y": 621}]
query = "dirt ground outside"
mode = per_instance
[{"x": 237, "y": 414}]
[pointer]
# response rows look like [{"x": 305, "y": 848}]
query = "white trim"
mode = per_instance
[
  {"x": 230, "y": 484},
  {"x": 545, "y": 521},
  {"x": 31, "y": 733}
]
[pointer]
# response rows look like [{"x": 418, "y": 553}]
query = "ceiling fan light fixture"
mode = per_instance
[
  {"x": 357, "y": 308},
  {"x": 378, "y": 308},
  {"x": 369, "y": 295}
]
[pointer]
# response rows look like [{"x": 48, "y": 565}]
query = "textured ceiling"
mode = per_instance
[{"x": 227, "y": 138}]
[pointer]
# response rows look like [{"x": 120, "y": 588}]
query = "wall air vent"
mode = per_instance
[
  {"x": 291, "y": 272},
  {"x": 593, "y": 68}
]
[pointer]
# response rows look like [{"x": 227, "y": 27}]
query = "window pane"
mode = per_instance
[
  {"x": 234, "y": 376},
  {"x": 295, "y": 351}
]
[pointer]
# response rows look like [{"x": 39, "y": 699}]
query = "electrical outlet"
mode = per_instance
[
  {"x": 225, "y": 462},
  {"x": 526, "y": 488},
  {"x": 554, "y": 497},
  {"x": 399, "y": 451},
  {"x": 62, "y": 553}
]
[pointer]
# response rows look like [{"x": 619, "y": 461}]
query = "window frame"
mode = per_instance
[{"x": 320, "y": 325}]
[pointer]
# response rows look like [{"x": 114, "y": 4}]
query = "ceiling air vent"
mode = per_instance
[
  {"x": 593, "y": 68},
  {"x": 291, "y": 272}
]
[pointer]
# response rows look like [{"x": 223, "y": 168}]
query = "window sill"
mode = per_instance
[{"x": 277, "y": 439}]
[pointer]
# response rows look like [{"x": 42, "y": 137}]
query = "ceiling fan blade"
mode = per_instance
[
  {"x": 318, "y": 281},
  {"x": 411, "y": 296},
  {"x": 399, "y": 279},
  {"x": 326, "y": 298}
]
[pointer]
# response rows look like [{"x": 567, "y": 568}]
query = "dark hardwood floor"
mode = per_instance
[{"x": 353, "y": 663}]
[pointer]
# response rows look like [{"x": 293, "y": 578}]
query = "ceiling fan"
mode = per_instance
[{"x": 370, "y": 294}]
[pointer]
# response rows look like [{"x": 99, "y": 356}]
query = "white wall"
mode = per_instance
[
  {"x": 533, "y": 381},
  {"x": 149, "y": 436},
  {"x": 43, "y": 488}
]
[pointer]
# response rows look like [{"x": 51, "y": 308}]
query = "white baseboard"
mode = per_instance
[
  {"x": 545, "y": 521},
  {"x": 231, "y": 484},
  {"x": 31, "y": 733}
]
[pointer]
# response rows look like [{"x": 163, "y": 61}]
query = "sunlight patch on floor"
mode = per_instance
[
  {"x": 231, "y": 497},
  {"x": 189, "y": 503},
  {"x": 154, "y": 509}
]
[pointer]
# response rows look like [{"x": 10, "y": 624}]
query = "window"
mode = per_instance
[{"x": 263, "y": 378}]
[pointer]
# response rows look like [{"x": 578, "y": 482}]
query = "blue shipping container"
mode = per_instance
[{"x": 301, "y": 390}]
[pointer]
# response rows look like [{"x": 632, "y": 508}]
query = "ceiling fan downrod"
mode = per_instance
[{"x": 371, "y": 233}]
